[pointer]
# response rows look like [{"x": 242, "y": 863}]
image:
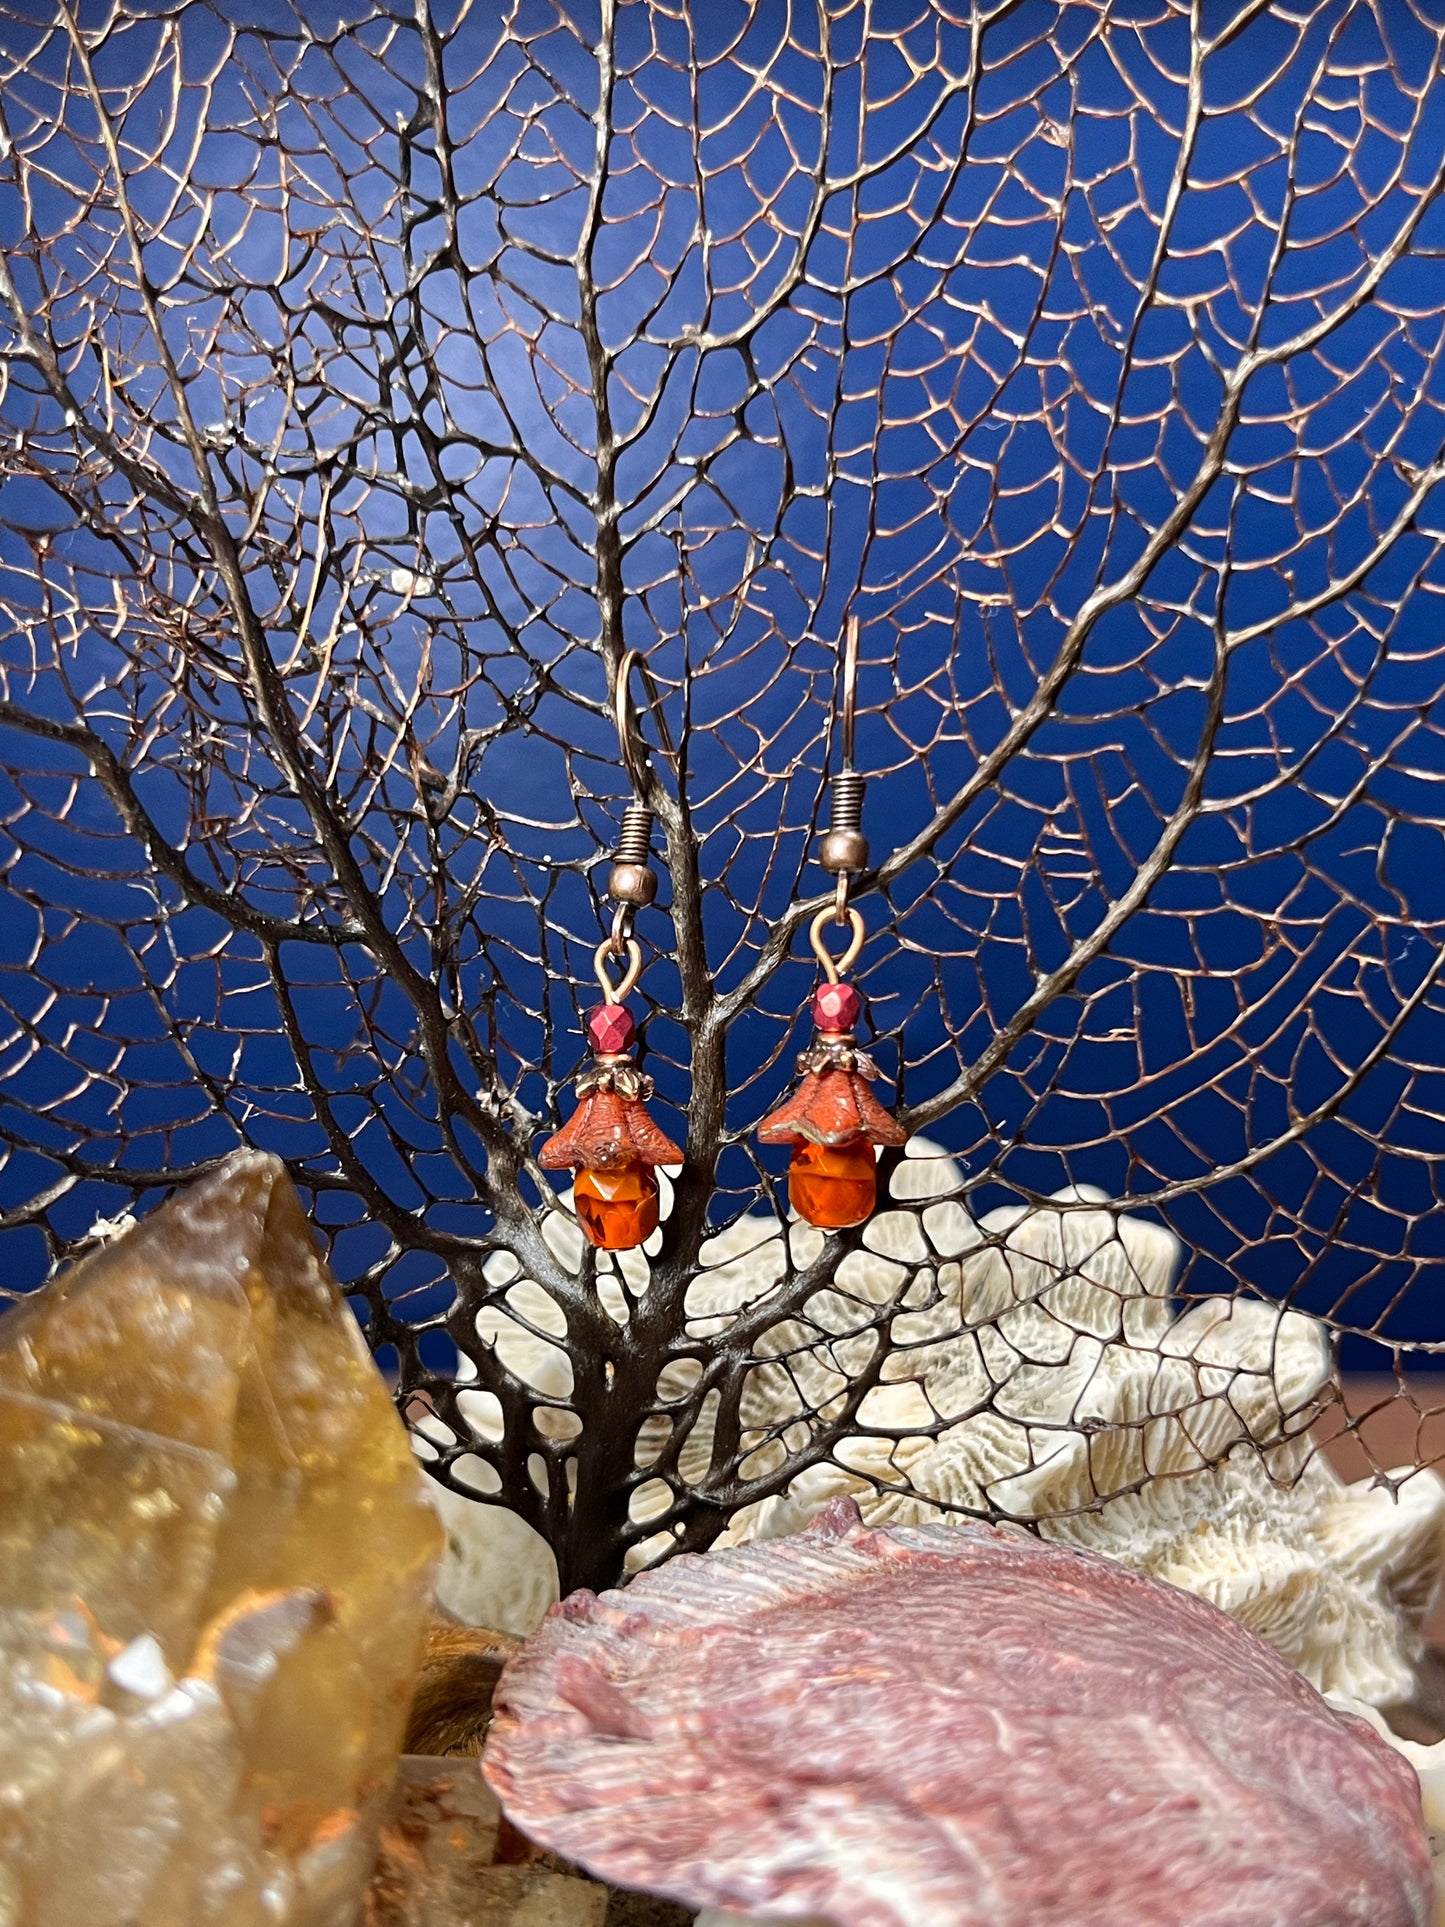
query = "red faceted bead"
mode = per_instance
[
  {"x": 610, "y": 1029},
  {"x": 836, "y": 1007}
]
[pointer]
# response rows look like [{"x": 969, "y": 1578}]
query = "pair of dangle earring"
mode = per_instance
[
  {"x": 833, "y": 1121},
  {"x": 611, "y": 1140}
]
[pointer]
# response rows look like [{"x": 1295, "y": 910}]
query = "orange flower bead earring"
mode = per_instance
[
  {"x": 833, "y": 1120},
  {"x": 610, "y": 1140}
]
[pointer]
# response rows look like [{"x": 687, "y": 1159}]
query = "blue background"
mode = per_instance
[{"x": 948, "y": 408}]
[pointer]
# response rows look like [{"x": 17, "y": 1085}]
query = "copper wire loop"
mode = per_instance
[
  {"x": 613, "y": 993},
  {"x": 833, "y": 969},
  {"x": 622, "y": 920}
]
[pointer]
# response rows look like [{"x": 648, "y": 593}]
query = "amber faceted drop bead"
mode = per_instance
[
  {"x": 832, "y": 1185},
  {"x": 617, "y": 1209}
]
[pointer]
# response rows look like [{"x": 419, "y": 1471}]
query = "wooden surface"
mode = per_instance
[
  {"x": 1395, "y": 1424},
  {"x": 447, "y": 1858},
  {"x": 438, "y": 1864},
  {"x": 1386, "y": 1425}
]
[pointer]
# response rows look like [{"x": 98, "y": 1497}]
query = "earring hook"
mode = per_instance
[
  {"x": 629, "y": 733},
  {"x": 848, "y": 694},
  {"x": 845, "y": 848},
  {"x": 634, "y": 758}
]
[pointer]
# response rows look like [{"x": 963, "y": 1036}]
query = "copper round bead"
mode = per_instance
[
  {"x": 632, "y": 883},
  {"x": 843, "y": 850}
]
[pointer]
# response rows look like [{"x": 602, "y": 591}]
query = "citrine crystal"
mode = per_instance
[
  {"x": 215, "y": 1567},
  {"x": 832, "y": 1185},
  {"x": 617, "y": 1209}
]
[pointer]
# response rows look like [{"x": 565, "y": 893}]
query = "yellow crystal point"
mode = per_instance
[{"x": 215, "y": 1568}]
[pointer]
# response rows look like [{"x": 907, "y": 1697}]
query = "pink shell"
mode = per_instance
[{"x": 951, "y": 1725}]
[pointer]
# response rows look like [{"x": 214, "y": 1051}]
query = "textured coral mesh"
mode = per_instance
[{"x": 372, "y": 380}]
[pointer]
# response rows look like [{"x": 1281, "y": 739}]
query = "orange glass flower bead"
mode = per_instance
[
  {"x": 833, "y": 1121},
  {"x": 831, "y": 1106},
  {"x": 832, "y": 1185},
  {"x": 617, "y": 1209},
  {"x": 612, "y": 1144},
  {"x": 605, "y": 1132}
]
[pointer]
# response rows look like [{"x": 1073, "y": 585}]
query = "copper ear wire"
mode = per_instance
[
  {"x": 629, "y": 737},
  {"x": 848, "y": 690},
  {"x": 844, "y": 848},
  {"x": 632, "y": 882},
  {"x": 635, "y": 758},
  {"x": 833, "y": 1120}
]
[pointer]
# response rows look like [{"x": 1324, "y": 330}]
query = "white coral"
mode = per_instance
[
  {"x": 1177, "y": 1444},
  {"x": 1037, "y": 1369}
]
